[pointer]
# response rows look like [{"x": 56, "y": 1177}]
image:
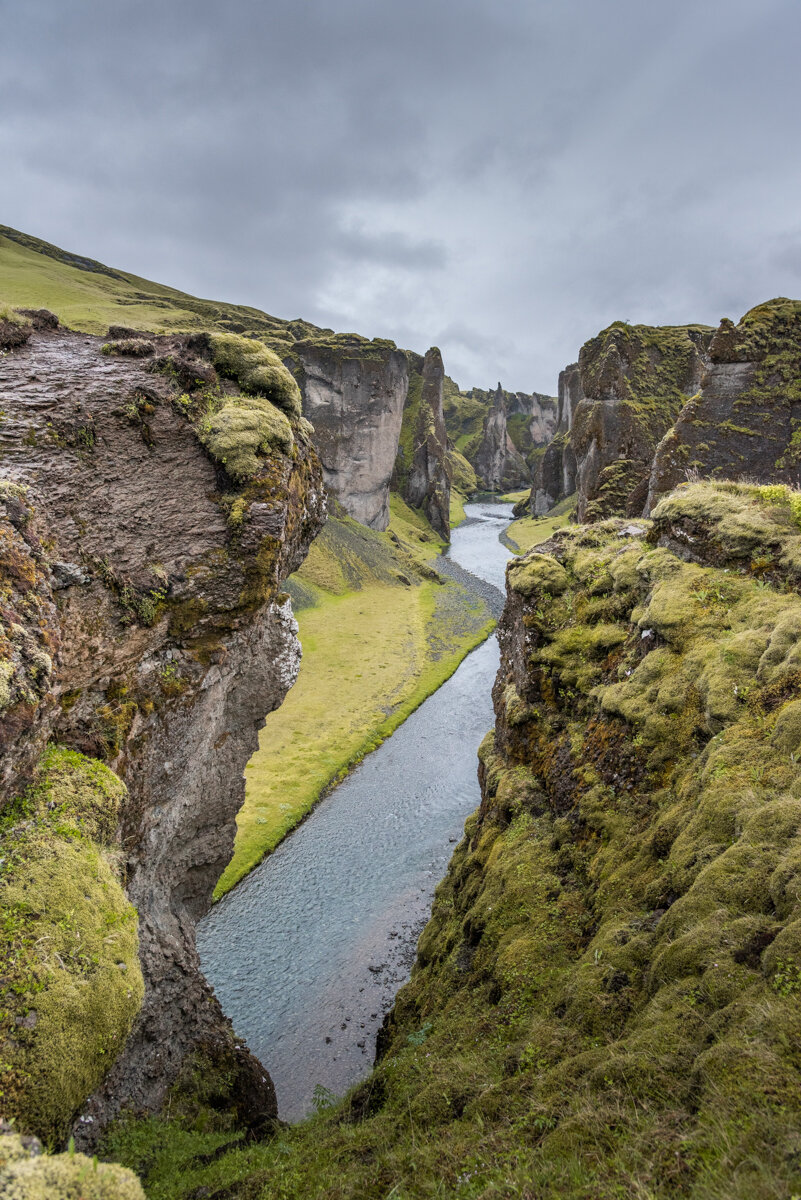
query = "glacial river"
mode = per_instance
[{"x": 307, "y": 953}]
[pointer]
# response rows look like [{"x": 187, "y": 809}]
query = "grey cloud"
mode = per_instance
[{"x": 502, "y": 179}]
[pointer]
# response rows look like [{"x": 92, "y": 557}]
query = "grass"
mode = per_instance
[
  {"x": 526, "y": 532},
  {"x": 375, "y": 645},
  {"x": 457, "y": 513}
]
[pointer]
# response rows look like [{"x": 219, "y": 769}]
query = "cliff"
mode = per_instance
[
  {"x": 157, "y": 491},
  {"x": 422, "y": 473},
  {"x": 634, "y": 382},
  {"x": 746, "y": 419},
  {"x": 353, "y": 393},
  {"x": 499, "y": 433}
]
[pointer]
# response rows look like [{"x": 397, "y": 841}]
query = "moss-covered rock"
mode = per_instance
[
  {"x": 635, "y": 380},
  {"x": 744, "y": 423},
  {"x": 257, "y": 369},
  {"x": 240, "y": 433},
  {"x": 71, "y": 980},
  {"x": 27, "y": 1174}
]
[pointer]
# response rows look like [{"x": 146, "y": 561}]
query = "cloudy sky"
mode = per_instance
[{"x": 500, "y": 177}]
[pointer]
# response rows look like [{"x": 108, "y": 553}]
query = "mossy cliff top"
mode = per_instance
[
  {"x": 607, "y": 999},
  {"x": 768, "y": 329}
]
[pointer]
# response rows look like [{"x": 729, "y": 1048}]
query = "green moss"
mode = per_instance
[
  {"x": 463, "y": 475},
  {"x": 537, "y": 575},
  {"x": 243, "y": 430},
  {"x": 257, "y": 369},
  {"x": 71, "y": 981},
  {"x": 25, "y": 1174}
]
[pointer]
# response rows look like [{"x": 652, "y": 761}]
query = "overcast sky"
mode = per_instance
[{"x": 499, "y": 177}]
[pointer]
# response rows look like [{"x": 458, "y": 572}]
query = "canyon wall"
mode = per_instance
[
  {"x": 354, "y": 392},
  {"x": 644, "y": 408},
  {"x": 745, "y": 422},
  {"x": 499, "y": 433},
  {"x": 153, "y": 506},
  {"x": 422, "y": 473}
]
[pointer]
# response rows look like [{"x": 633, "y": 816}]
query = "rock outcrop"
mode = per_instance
[
  {"x": 500, "y": 433},
  {"x": 353, "y": 393},
  {"x": 634, "y": 382},
  {"x": 554, "y": 466},
  {"x": 152, "y": 510},
  {"x": 422, "y": 471},
  {"x": 499, "y": 464},
  {"x": 745, "y": 421}
]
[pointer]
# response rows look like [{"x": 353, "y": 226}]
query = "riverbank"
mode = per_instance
[
  {"x": 526, "y": 532},
  {"x": 381, "y": 629}
]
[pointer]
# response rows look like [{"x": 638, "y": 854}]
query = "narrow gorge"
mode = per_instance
[{"x": 550, "y": 882}]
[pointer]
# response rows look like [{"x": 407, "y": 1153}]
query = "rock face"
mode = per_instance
[
  {"x": 422, "y": 472},
  {"x": 154, "y": 578},
  {"x": 634, "y": 382},
  {"x": 746, "y": 420},
  {"x": 554, "y": 468},
  {"x": 354, "y": 393},
  {"x": 515, "y": 425},
  {"x": 499, "y": 433}
]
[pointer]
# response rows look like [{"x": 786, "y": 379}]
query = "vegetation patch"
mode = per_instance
[
  {"x": 257, "y": 369},
  {"x": 71, "y": 982},
  {"x": 15, "y": 329}
]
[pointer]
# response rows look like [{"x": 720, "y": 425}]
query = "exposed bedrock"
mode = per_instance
[
  {"x": 516, "y": 426},
  {"x": 151, "y": 578},
  {"x": 354, "y": 393},
  {"x": 634, "y": 382},
  {"x": 422, "y": 472},
  {"x": 746, "y": 420}
]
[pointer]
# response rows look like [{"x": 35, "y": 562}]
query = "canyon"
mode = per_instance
[{"x": 605, "y": 996}]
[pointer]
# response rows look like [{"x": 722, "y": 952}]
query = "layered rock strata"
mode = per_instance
[{"x": 152, "y": 512}]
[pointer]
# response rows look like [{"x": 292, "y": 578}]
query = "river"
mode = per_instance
[{"x": 307, "y": 953}]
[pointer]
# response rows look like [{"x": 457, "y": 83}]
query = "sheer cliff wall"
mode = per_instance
[{"x": 156, "y": 492}]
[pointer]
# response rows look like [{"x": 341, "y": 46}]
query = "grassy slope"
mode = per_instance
[
  {"x": 90, "y": 300},
  {"x": 526, "y": 532},
  {"x": 374, "y": 647},
  {"x": 607, "y": 1001}
]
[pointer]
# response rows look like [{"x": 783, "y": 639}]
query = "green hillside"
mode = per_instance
[{"x": 89, "y": 296}]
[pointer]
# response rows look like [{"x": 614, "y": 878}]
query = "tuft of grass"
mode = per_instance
[{"x": 257, "y": 369}]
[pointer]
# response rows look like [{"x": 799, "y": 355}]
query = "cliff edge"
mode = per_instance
[{"x": 157, "y": 490}]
